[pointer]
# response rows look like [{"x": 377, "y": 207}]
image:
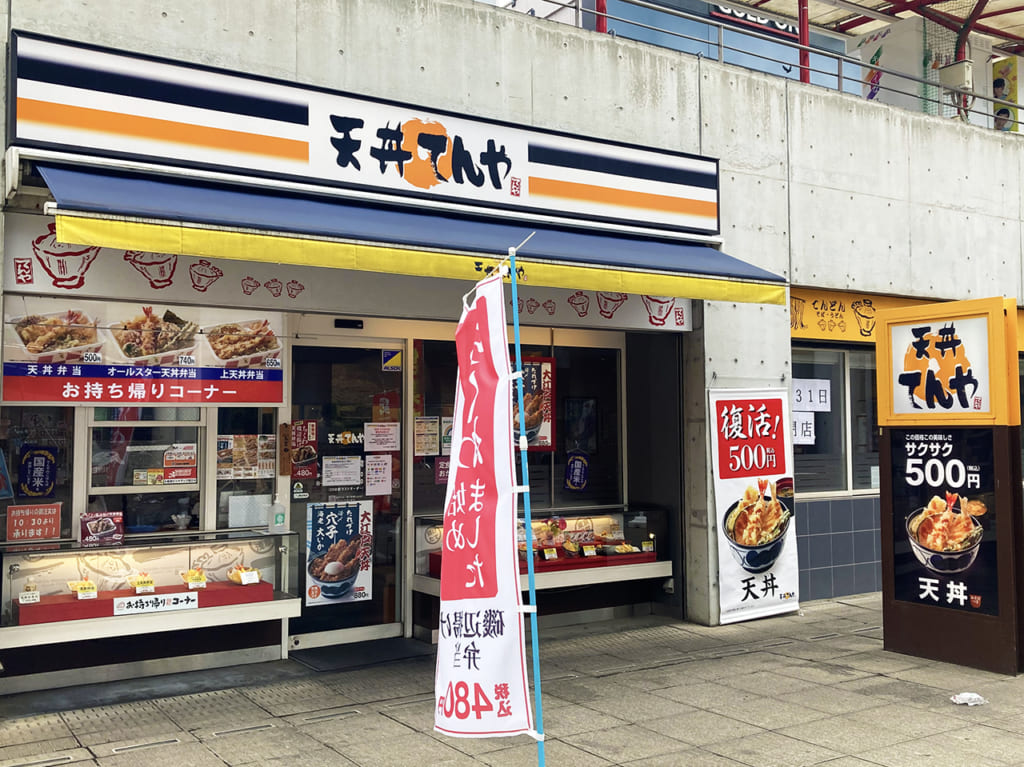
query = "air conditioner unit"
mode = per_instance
[{"x": 958, "y": 76}]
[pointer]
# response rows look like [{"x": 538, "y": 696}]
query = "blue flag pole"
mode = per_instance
[{"x": 524, "y": 470}]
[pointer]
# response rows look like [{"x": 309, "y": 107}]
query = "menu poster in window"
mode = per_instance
[
  {"x": 752, "y": 454},
  {"x": 339, "y": 553},
  {"x": 538, "y": 404},
  {"x": 944, "y": 538},
  {"x": 106, "y": 352},
  {"x": 305, "y": 449},
  {"x": 37, "y": 471},
  {"x": 33, "y": 523},
  {"x": 426, "y": 435},
  {"x": 102, "y": 528}
]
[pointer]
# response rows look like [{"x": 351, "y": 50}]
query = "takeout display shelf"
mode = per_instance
[{"x": 68, "y": 607}]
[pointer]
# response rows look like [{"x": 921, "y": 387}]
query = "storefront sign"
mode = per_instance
[
  {"x": 945, "y": 364},
  {"x": 339, "y": 553},
  {"x": 948, "y": 400},
  {"x": 33, "y": 523},
  {"x": 538, "y": 403},
  {"x": 833, "y": 315},
  {"x": 481, "y": 684},
  {"x": 154, "y": 604},
  {"x": 497, "y": 168},
  {"x": 751, "y": 452},
  {"x": 944, "y": 538},
  {"x": 95, "y": 353}
]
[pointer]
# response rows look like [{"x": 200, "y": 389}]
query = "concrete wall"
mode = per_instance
[{"x": 824, "y": 188}]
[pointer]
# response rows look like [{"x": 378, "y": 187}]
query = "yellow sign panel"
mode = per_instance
[
  {"x": 948, "y": 363},
  {"x": 835, "y": 315}
]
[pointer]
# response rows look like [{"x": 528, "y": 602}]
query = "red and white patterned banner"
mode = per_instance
[{"x": 481, "y": 682}]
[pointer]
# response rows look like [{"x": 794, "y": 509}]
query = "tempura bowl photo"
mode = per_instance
[
  {"x": 760, "y": 557},
  {"x": 333, "y": 574},
  {"x": 943, "y": 562}
]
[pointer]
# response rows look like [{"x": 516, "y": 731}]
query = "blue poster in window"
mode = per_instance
[
  {"x": 37, "y": 471},
  {"x": 6, "y": 489},
  {"x": 339, "y": 552}
]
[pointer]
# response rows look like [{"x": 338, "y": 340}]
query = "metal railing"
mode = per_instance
[{"x": 840, "y": 72}]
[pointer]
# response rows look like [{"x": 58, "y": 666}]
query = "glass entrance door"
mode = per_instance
[{"x": 347, "y": 482}]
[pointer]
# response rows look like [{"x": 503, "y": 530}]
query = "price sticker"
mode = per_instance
[
  {"x": 647, "y": 545},
  {"x": 86, "y": 590},
  {"x": 28, "y": 598},
  {"x": 92, "y": 357},
  {"x": 589, "y": 550},
  {"x": 145, "y": 585},
  {"x": 249, "y": 577},
  {"x": 273, "y": 362},
  {"x": 550, "y": 554},
  {"x": 196, "y": 580},
  {"x": 186, "y": 359}
]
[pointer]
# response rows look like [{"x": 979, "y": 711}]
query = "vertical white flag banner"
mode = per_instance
[
  {"x": 481, "y": 683},
  {"x": 752, "y": 455}
]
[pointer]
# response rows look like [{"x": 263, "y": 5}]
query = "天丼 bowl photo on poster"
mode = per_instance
[{"x": 945, "y": 530}]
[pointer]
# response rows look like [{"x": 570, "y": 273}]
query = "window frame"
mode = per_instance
[{"x": 844, "y": 350}]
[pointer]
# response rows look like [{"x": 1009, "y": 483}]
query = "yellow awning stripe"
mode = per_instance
[{"x": 282, "y": 248}]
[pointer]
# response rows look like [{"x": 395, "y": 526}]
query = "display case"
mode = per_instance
[
  {"x": 569, "y": 548},
  {"x": 153, "y": 584}
]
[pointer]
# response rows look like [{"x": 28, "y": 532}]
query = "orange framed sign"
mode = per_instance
[{"x": 951, "y": 363}]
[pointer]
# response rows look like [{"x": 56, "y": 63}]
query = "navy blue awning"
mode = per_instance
[{"x": 197, "y": 217}]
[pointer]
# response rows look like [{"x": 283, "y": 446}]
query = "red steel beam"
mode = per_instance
[{"x": 805, "y": 40}]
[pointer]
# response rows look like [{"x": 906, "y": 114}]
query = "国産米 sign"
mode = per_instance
[
  {"x": 481, "y": 685},
  {"x": 752, "y": 462}
]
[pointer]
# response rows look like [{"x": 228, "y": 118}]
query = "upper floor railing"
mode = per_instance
[{"x": 703, "y": 36}]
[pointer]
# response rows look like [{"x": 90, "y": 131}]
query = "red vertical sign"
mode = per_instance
[{"x": 469, "y": 513}]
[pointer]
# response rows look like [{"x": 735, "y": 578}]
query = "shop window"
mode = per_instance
[
  {"x": 586, "y": 421},
  {"x": 246, "y": 465},
  {"x": 835, "y": 420},
  {"x": 37, "y": 453},
  {"x": 150, "y": 464}
]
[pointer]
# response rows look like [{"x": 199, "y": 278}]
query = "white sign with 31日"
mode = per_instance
[{"x": 811, "y": 395}]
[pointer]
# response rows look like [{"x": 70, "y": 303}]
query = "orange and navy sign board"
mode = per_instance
[
  {"x": 949, "y": 363},
  {"x": 113, "y": 104}
]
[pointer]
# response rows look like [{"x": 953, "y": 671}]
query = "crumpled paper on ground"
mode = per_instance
[{"x": 968, "y": 699}]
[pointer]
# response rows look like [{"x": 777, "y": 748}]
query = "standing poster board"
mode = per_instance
[
  {"x": 949, "y": 412},
  {"x": 752, "y": 458}
]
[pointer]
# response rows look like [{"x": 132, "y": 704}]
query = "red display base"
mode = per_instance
[
  {"x": 68, "y": 607},
  {"x": 563, "y": 562}
]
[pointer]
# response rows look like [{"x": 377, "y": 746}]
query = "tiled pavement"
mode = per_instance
[{"x": 814, "y": 688}]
